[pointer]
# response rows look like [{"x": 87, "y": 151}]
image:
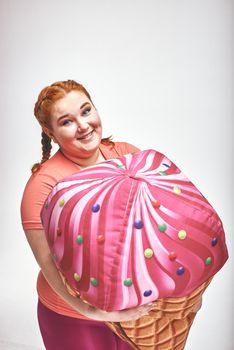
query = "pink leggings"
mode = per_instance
[{"x": 68, "y": 333}]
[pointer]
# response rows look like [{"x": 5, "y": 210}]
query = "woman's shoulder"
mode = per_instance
[
  {"x": 50, "y": 173},
  {"x": 39, "y": 186},
  {"x": 125, "y": 147},
  {"x": 55, "y": 168}
]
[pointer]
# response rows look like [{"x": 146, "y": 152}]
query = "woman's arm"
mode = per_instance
[{"x": 41, "y": 251}]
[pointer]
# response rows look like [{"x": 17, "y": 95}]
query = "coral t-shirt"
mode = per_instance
[{"x": 36, "y": 191}]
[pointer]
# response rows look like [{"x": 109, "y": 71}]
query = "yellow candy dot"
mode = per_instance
[
  {"x": 182, "y": 234},
  {"x": 76, "y": 277},
  {"x": 177, "y": 189},
  {"x": 148, "y": 253},
  {"x": 61, "y": 202}
]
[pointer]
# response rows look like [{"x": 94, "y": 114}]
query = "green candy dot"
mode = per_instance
[
  {"x": 208, "y": 261},
  {"x": 128, "y": 282},
  {"x": 76, "y": 277},
  {"x": 182, "y": 234},
  {"x": 148, "y": 253},
  {"x": 61, "y": 202},
  {"x": 120, "y": 166},
  {"x": 162, "y": 227},
  {"x": 46, "y": 205},
  {"x": 93, "y": 281},
  {"x": 79, "y": 239},
  {"x": 163, "y": 173}
]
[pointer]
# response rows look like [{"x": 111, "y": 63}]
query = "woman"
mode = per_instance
[{"x": 68, "y": 116}]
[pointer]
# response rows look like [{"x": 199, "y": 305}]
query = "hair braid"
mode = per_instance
[{"x": 46, "y": 149}]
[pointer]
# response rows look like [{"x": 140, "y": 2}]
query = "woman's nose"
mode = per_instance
[{"x": 82, "y": 125}]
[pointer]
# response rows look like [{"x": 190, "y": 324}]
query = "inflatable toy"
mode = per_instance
[{"x": 131, "y": 231}]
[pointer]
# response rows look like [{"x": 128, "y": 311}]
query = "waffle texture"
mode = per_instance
[{"x": 167, "y": 325}]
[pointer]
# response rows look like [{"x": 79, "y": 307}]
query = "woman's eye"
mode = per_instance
[
  {"x": 66, "y": 122},
  {"x": 86, "y": 111}
]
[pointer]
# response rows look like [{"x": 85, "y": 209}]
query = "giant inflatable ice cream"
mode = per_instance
[{"x": 135, "y": 230}]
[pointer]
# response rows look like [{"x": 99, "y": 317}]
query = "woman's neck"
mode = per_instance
[{"x": 95, "y": 158}]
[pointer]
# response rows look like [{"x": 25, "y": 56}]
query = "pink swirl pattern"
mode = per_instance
[{"x": 130, "y": 230}]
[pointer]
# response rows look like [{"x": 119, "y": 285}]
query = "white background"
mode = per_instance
[{"x": 161, "y": 76}]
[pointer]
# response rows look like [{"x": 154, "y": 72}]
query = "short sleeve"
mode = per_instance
[{"x": 36, "y": 191}]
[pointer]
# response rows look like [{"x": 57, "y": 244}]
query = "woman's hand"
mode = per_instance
[{"x": 116, "y": 316}]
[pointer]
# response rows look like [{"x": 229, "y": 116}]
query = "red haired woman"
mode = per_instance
[{"x": 68, "y": 116}]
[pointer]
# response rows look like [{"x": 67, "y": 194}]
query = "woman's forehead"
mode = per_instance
[{"x": 72, "y": 102}]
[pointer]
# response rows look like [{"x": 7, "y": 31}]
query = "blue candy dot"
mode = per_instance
[
  {"x": 214, "y": 241},
  {"x": 180, "y": 270},
  {"x": 138, "y": 224},
  {"x": 147, "y": 293},
  {"x": 95, "y": 208}
]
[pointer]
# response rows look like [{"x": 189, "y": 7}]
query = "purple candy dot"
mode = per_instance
[
  {"x": 180, "y": 270},
  {"x": 147, "y": 293},
  {"x": 138, "y": 224},
  {"x": 214, "y": 241},
  {"x": 95, "y": 208}
]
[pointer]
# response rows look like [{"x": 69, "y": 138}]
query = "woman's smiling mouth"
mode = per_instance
[{"x": 87, "y": 136}]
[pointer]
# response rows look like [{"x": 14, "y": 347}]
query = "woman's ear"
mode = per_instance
[{"x": 49, "y": 133}]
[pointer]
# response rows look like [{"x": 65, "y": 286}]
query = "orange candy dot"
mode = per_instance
[
  {"x": 172, "y": 256},
  {"x": 100, "y": 239},
  {"x": 156, "y": 204}
]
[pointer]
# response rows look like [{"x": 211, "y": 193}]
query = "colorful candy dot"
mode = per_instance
[
  {"x": 95, "y": 208},
  {"x": 79, "y": 239},
  {"x": 172, "y": 256},
  {"x": 180, "y": 270},
  {"x": 46, "y": 205},
  {"x": 147, "y": 293},
  {"x": 162, "y": 173},
  {"x": 162, "y": 227},
  {"x": 177, "y": 189},
  {"x": 59, "y": 232},
  {"x": 208, "y": 261},
  {"x": 182, "y": 234},
  {"x": 61, "y": 202},
  {"x": 134, "y": 153},
  {"x": 214, "y": 241},
  {"x": 100, "y": 239},
  {"x": 156, "y": 204},
  {"x": 93, "y": 281},
  {"x": 138, "y": 224},
  {"x": 76, "y": 277},
  {"x": 128, "y": 282},
  {"x": 120, "y": 166},
  {"x": 148, "y": 253},
  {"x": 167, "y": 165}
]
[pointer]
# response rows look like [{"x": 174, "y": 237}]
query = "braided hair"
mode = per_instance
[{"x": 46, "y": 149}]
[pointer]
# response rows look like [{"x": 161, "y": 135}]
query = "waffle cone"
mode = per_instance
[{"x": 167, "y": 325}]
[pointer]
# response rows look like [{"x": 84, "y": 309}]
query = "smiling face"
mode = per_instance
[{"x": 76, "y": 127}]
